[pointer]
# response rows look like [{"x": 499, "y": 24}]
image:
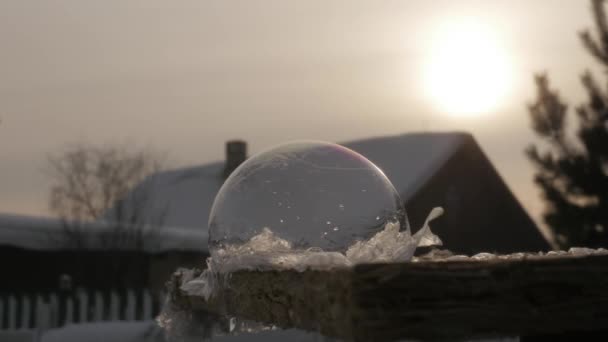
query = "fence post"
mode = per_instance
[
  {"x": 53, "y": 311},
  {"x": 42, "y": 315},
  {"x": 1, "y": 313},
  {"x": 69, "y": 311},
  {"x": 83, "y": 301},
  {"x": 131, "y": 306},
  {"x": 12, "y": 312},
  {"x": 114, "y": 306},
  {"x": 147, "y": 305},
  {"x": 99, "y": 307},
  {"x": 25, "y": 312},
  {"x": 41, "y": 312}
]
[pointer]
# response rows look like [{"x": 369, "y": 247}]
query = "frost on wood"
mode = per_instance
[
  {"x": 267, "y": 252},
  {"x": 483, "y": 296}
]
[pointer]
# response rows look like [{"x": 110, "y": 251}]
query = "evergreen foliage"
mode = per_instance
[{"x": 573, "y": 172}]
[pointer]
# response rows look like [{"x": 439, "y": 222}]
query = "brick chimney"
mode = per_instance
[{"x": 236, "y": 153}]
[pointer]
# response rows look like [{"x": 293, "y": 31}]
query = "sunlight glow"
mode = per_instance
[{"x": 467, "y": 72}]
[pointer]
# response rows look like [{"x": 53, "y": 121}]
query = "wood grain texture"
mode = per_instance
[{"x": 428, "y": 300}]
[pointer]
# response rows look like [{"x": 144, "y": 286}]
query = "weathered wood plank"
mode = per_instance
[
  {"x": 430, "y": 300},
  {"x": 490, "y": 298}
]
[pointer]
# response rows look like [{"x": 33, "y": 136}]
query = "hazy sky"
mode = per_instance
[{"x": 184, "y": 76}]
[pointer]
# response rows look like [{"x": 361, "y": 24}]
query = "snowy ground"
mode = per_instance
[{"x": 147, "y": 331}]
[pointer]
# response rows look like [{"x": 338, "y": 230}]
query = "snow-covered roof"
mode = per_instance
[
  {"x": 43, "y": 233},
  {"x": 186, "y": 195},
  {"x": 409, "y": 160}
]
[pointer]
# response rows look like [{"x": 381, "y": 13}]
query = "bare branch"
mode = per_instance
[{"x": 109, "y": 183}]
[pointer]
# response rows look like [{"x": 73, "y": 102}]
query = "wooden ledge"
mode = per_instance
[{"x": 427, "y": 299}]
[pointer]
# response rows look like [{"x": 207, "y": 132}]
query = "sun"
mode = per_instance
[{"x": 467, "y": 72}]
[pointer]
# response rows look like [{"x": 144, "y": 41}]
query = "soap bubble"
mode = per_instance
[{"x": 309, "y": 194}]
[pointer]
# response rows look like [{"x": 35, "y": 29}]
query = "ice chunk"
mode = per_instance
[
  {"x": 424, "y": 237},
  {"x": 268, "y": 251},
  {"x": 393, "y": 245}
]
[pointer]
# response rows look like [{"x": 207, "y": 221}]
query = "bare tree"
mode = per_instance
[
  {"x": 108, "y": 189},
  {"x": 113, "y": 184}
]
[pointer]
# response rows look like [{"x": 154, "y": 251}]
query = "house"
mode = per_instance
[
  {"x": 427, "y": 169},
  {"x": 50, "y": 281},
  {"x": 452, "y": 171},
  {"x": 45, "y": 254}
]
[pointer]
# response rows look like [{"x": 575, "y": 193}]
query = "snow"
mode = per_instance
[
  {"x": 42, "y": 233},
  {"x": 147, "y": 331},
  {"x": 294, "y": 335},
  {"x": 143, "y": 331},
  {"x": 28, "y": 232},
  {"x": 572, "y": 252},
  {"x": 18, "y": 336},
  {"x": 291, "y": 335}
]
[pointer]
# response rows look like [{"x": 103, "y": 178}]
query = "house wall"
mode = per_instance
[{"x": 481, "y": 213}]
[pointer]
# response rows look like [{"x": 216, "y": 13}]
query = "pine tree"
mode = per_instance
[{"x": 573, "y": 172}]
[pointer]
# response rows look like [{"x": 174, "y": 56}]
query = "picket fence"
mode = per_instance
[{"x": 51, "y": 310}]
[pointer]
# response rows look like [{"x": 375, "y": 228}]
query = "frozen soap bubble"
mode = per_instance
[{"x": 305, "y": 195}]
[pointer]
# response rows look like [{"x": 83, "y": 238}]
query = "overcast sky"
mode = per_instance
[{"x": 184, "y": 76}]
